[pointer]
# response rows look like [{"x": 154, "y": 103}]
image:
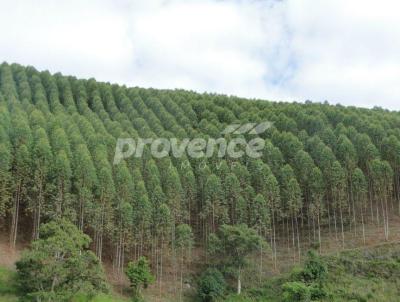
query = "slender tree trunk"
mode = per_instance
[
  {"x": 81, "y": 211},
  {"x": 261, "y": 259},
  {"x": 386, "y": 213},
  {"x": 313, "y": 227},
  {"x": 309, "y": 227},
  {"x": 161, "y": 265},
  {"x": 181, "y": 273},
  {"x": 354, "y": 218},
  {"x": 363, "y": 227},
  {"x": 329, "y": 219},
  {"x": 239, "y": 283},
  {"x": 298, "y": 238},
  {"x": 288, "y": 234},
  {"x": 15, "y": 216},
  {"x": 319, "y": 233},
  {"x": 341, "y": 222},
  {"x": 293, "y": 240},
  {"x": 274, "y": 236},
  {"x": 335, "y": 224}
]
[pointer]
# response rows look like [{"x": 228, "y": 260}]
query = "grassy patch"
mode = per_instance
[
  {"x": 7, "y": 286},
  {"x": 365, "y": 275}
]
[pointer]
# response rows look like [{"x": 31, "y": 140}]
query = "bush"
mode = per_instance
[
  {"x": 139, "y": 275},
  {"x": 315, "y": 269},
  {"x": 211, "y": 285},
  {"x": 296, "y": 291},
  {"x": 317, "y": 291}
]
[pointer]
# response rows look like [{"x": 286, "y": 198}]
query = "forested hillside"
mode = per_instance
[{"x": 323, "y": 169}]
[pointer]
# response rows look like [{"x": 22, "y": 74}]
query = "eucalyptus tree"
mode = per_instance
[
  {"x": 291, "y": 195},
  {"x": 21, "y": 179},
  {"x": 231, "y": 246},
  {"x": 80, "y": 96},
  {"x": 109, "y": 102},
  {"x": 23, "y": 87},
  {"x": 7, "y": 84},
  {"x": 172, "y": 188},
  {"x": 273, "y": 197},
  {"x": 39, "y": 95},
  {"x": 260, "y": 217},
  {"x": 184, "y": 244},
  {"x": 303, "y": 165},
  {"x": 163, "y": 225},
  {"x": 84, "y": 181},
  {"x": 391, "y": 153},
  {"x": 382, "y": 183},
  {"x": 288, "y": 143},
  {"x": 347, "y": 155},
  {"x": 339, "y": 188},
  {"x": 273, "y": 157},
  {"x": 62, "y": 169},
  {"x": 66, "y": 95},
  {"x": 189, "y": 188},
  {"x": 5, "y": 175},
  {"x": 51, "y": 88},
  {"x": 151, "y": 177},
  {"x": 366, "y": 152},
  {"x": 105, "y": 194},
  {"x": 123, "y": 218},
  {"x": 360, "y": 195},
  {"x": 214, "y": 211},
  {"x": 317, "y": 191},
  {"x": 62, "y": 174},
  {"x": 41, "y": 165},
  {"x": 21, "y": 138},
  {"x": 232, "y": 195},
  {"x": 142, "y": 213}
]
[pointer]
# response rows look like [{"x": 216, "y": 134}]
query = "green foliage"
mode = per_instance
[
  {"x": 296, "y": 291},
  {"x": 312, "y": 277},
  {"x": 184, "y": 237},
  {"x": 211, "y": 285},
  {"x": 8, "y": 286},
  {"x": 58, "y": 265},
  {"x": 139, "y": 276},
  {"x": 359, "y": 275},
  {"x": 231, "y": 245},
  {"x": 315, "y": 269},
  {"x": 234, "y": 243}
]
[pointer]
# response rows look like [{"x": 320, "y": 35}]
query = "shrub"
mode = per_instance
[
  {"x": 211, "y": 285},
  {"x": 139, "y": 275},
  {"x": 315, "y": 269},
  {"x": 296, "y": 292}
]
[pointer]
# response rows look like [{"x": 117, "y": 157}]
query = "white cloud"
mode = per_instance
[
  {"x": 346, "y": 51},
  {"x": 342, "y": 51},
  {"x": 75, "y": 37}
]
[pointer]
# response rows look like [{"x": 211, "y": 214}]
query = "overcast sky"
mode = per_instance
[{"x": 343, "y": 51}]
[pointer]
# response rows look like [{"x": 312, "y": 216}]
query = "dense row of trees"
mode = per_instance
[{"x": 323, "y": 166}]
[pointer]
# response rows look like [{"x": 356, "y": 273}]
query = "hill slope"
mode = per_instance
[{"x": 322, "y": 169}]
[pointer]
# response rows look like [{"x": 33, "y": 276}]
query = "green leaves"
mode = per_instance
[
  {"x": 139, "y": 276},
  {"x": 58, "y": 265},
  {"x": 232, "y": 244},
  {"x": 211, "y": 285},
  {"x": 184, "y": 237}
]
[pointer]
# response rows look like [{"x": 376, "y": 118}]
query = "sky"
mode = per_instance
[{"x": 342, "y": 51}]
